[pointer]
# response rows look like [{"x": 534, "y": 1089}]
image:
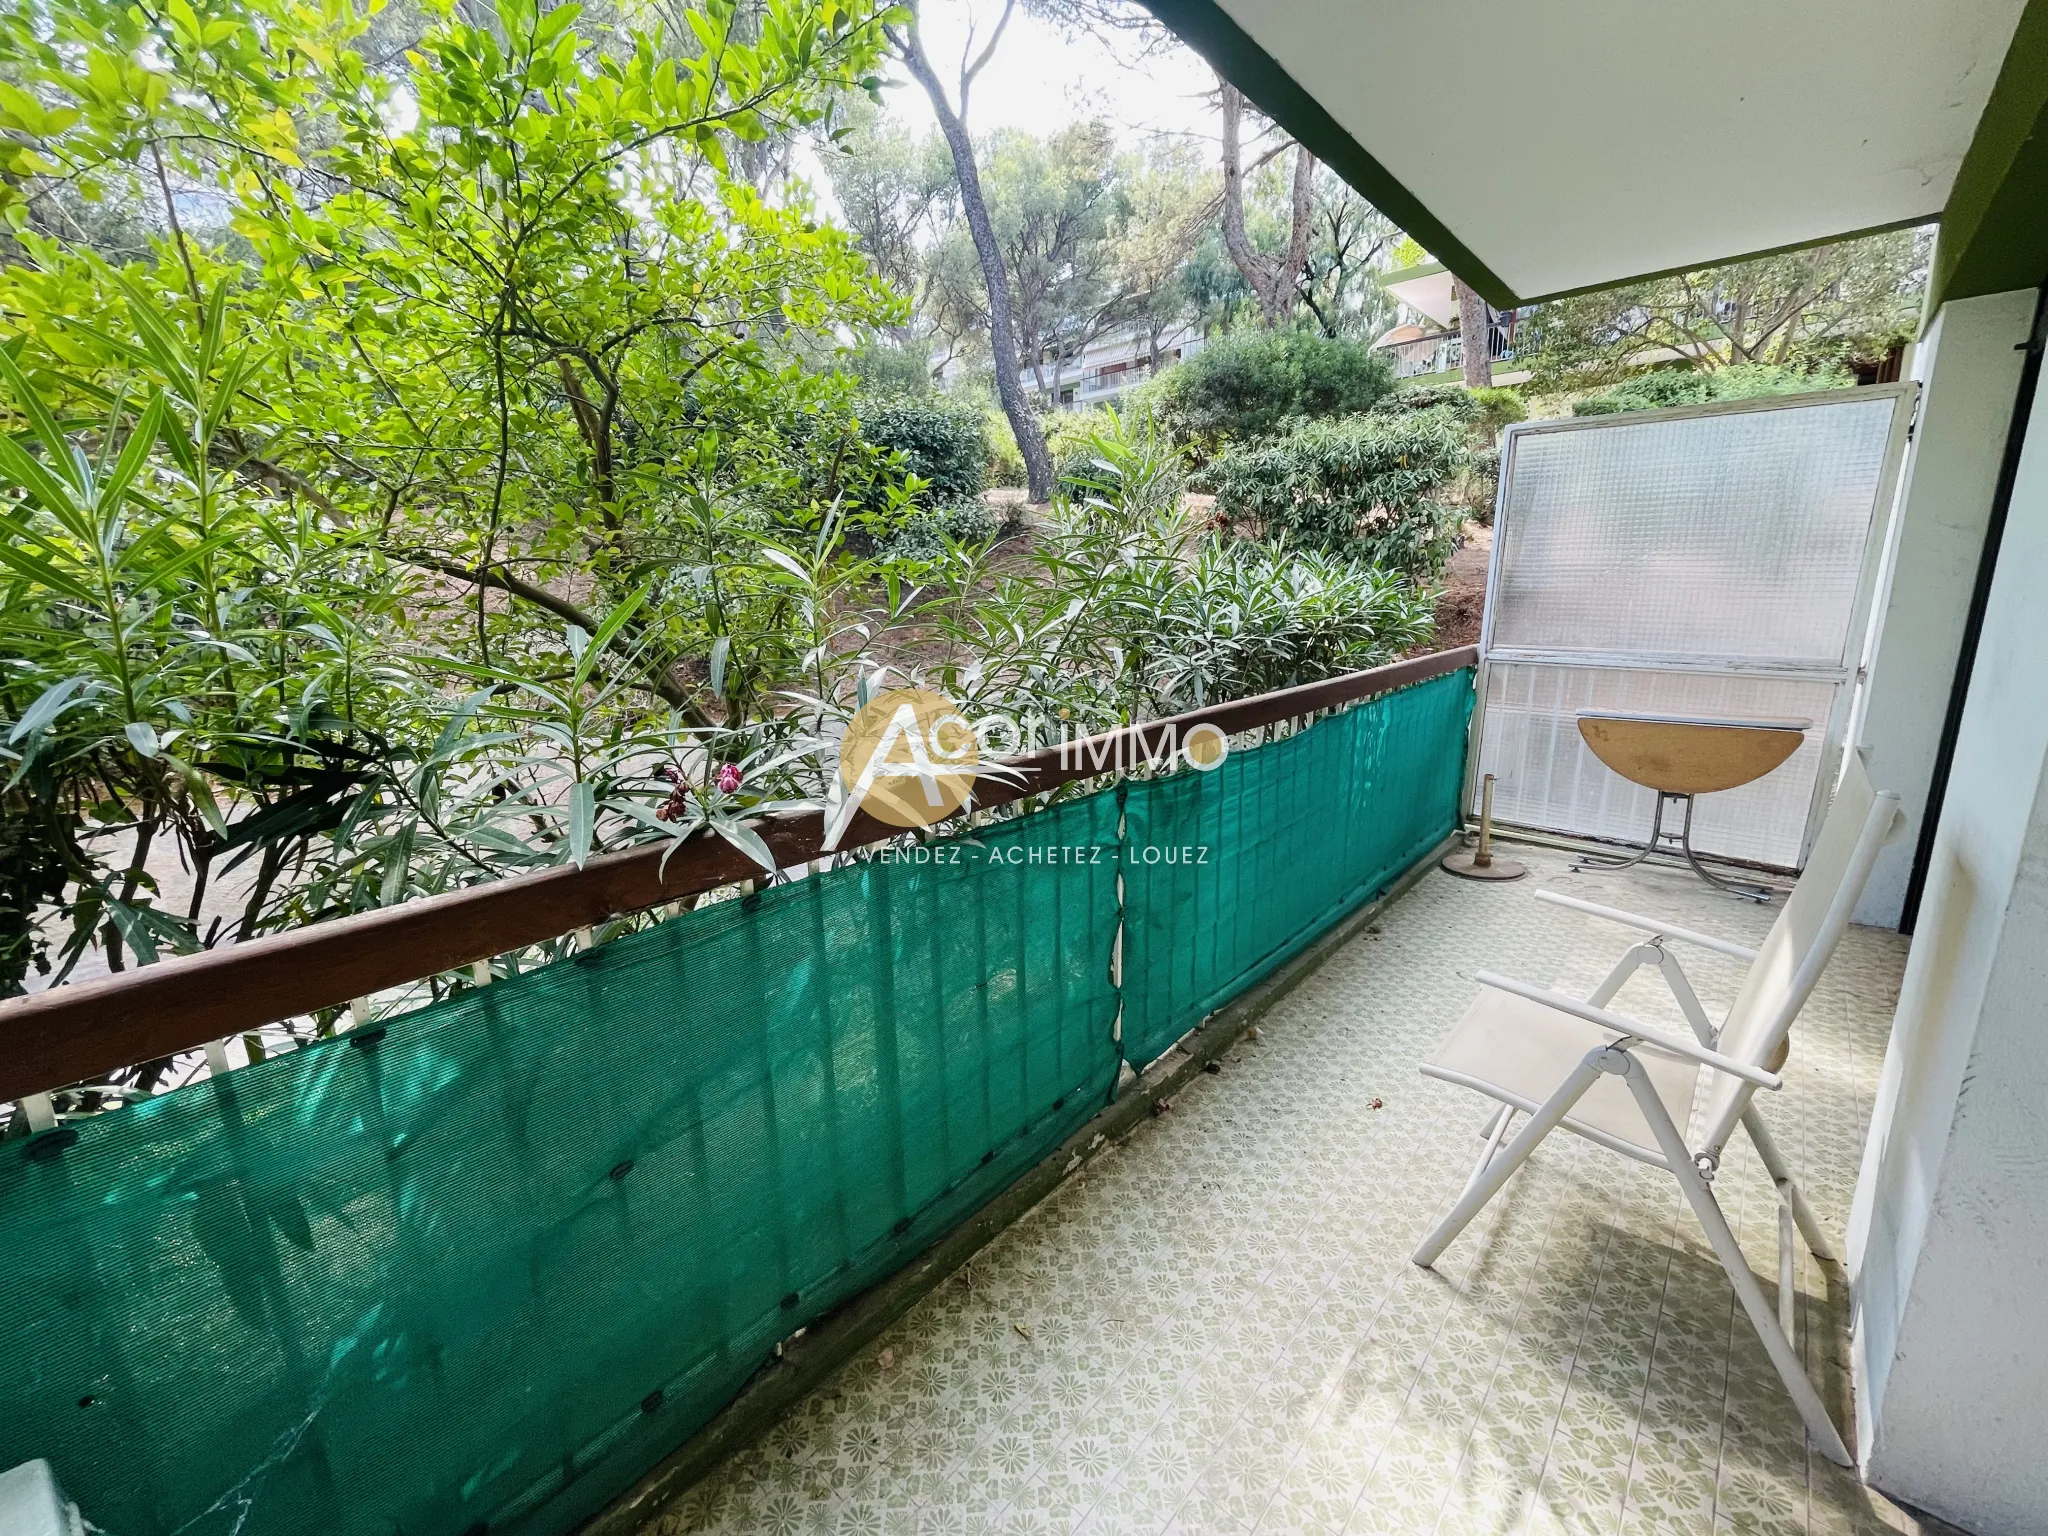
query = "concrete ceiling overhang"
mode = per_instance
[
  {"x": 1540, "y": 150},
  {"x": 1428, "y": 290}
]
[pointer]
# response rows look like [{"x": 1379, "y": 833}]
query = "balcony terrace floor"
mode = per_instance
[{"x": 1215, "y": 1328}]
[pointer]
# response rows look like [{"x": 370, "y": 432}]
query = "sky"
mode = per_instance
[{"x": 1040, "y": 80}]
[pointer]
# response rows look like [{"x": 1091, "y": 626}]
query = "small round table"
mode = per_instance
[{"x": 1680, "y": 756}]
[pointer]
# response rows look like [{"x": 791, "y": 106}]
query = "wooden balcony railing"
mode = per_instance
[{"x": 73, "y": 1033}]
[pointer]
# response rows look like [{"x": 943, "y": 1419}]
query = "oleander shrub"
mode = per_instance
[
  {"x": 1453, "y": 400},
  {"x": 1483, "y": 413},
  {"x": 1074, "y": 439},
  {"x": 1121, "y": 472}
]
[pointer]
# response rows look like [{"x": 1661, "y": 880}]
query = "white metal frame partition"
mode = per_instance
[{"x": 1759, "y": 542}]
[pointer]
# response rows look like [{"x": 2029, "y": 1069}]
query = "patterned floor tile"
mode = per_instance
[{"x": 1217, "y": 1331}]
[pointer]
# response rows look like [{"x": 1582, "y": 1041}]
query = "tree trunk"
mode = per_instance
[
  {"x": 1002, "y": 332},
  {"x": 1300, "y": 225},
  {"x": 1475, "y": 327},
  {"x": 1234, "y": 238},
  {"x": 1272, "y": 281}
]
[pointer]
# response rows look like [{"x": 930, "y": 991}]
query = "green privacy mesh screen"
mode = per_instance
[
  {"x": 1229, "y": 873},
  {"x": 480, "y": 1275}
]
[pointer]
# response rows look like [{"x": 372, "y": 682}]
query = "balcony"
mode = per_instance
[
  {"x": 1060, "y": 1169},
  {"x": 1086, "y": 386},
  {"x": 1444, "y": 351},
  {"x": 477, "y": 1265},
  {"x": 1108, "y": 382},
  {"x": 881, "y": 1197},
  {"x": 720, "y": 1181},
  {"x": 1214, "y": 1325}
]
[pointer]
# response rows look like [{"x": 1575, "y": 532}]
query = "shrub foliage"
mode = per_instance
[
  {"x": 929, "y": 534},
  {"x": 941, "y": 440},
  {"x": 1253, "y": 384},
  {"x": 1362, "y": 487},
  {"x": 1483, "y": 413},
  {"x": 464, "y": 499}
]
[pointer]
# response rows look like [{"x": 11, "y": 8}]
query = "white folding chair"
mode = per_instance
[{"x": 1630, "y": 1086}]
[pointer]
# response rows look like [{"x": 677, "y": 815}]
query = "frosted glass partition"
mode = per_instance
[
  {"x": 1738, "y": 537},
  {"x": 1714, "y": 563},
  {"x": 1549, "y": 778}
]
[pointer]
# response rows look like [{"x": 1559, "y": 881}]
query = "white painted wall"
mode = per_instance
[
  {"x": 1948, "y": 1239},
  {"x": 1968, "y": 370}
]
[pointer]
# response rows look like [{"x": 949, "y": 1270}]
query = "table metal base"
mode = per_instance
[
  {"x": 1669, "y": 843},
  {"x": 1466, "y": 866}
]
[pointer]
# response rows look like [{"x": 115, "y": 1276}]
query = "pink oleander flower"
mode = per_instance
[{"x": 729, "y": 778}]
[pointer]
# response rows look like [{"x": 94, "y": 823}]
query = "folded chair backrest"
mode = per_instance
[{"x": 1789, "y": 963}]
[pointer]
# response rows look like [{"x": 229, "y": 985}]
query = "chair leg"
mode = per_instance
[
  {"x": 1774, "y": 1163},
  {"x": 1788, "y": 1280},
  {"x": 1819, "y": 1427},
  {"x": 1495, "y": 1129},
  {"x": 1497, "y": 1171}
]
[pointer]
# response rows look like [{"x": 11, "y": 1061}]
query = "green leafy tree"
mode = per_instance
[
  {"x": 1168, "y": 201},
  {"x": 471, "y": 371},
  {"x": 1349, "y": 241},
  {"x": 1271, "y": 268},
  {"x": 951, "y": 111},
  {"x": 1661, "y": 387},
  {"x": 509, "y": 293},
  {"x": 1851, "y": 300},
  {"x": 898, "y": 196},
  {"x": 1055, "y": 207},
  {"x": 1220, "y": 297},
  {"x": 1094, "y": 239}
]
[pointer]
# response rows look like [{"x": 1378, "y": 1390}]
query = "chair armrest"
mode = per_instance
[
  {"x": 1650, "y": 925},
  {"x": 1622, "y": 1024}
]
